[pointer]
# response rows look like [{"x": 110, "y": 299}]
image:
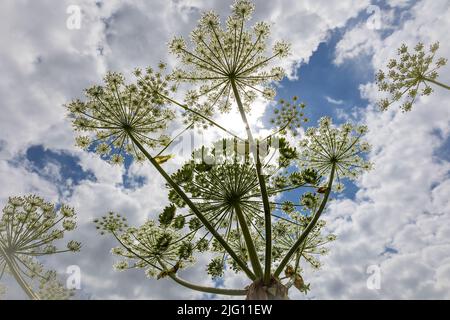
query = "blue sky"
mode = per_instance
[
  {"x": 321, "y": 78},
  {"x": 395, "y": 217}
]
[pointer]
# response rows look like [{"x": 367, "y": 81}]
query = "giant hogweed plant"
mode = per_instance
[
  {"x": 231, "y": 200},
  {"x": 31, "y": 228}
]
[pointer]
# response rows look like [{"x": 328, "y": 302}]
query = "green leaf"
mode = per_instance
[{"x": 166, "y": 217}]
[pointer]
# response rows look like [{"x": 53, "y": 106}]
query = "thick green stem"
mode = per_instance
[
  {"x": 13, "y": 268},
  {"x": 437, "y": 83},
  {"x": 228, "y": 292},
  {"x": 262, "y": 186},
  {"x": 194, "y": 209},
  {"x": 190, "y": 285},
  {"x": 253, "y": 255},
  {"x": 310, "y": 226}
]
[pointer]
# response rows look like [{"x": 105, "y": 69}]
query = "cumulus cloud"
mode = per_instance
[
  {"x": 334, "y": 101},
  {"x": 358, "y": 41},
  {"x": 44, "y": 65}
]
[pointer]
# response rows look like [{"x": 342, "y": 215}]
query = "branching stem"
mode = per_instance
[
  {"x": 262, "y": 186},
  {"x": 253, "y": 255},
  {"x": 310, "y": 226},
  {"x": 437, "y": 83}
]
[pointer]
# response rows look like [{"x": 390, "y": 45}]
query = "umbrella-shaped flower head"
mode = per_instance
[
  {"x": 114, "y": 112},
  {"x": 410, "y": 75},
  {"x": 29, "y": 228},
  {"x": 152, "y": 245},
  {"x": 329, "y": 146},
  {"x": 229, "y": 58}
]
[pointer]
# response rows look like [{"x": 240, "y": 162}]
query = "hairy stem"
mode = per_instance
[
  {"x": 262, "y": 186},
  {"x": 193, "y": 286},
  {"x": 310, "y": 226},
  {"x": 228, "y": 292},
  {"x": 253, "y": 255},
  {"x": 437, "y": 83},
  {"x": 194, "y": 209}
]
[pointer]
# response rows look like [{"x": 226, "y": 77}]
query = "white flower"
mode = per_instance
[
  {"x": 228, "y": 59},
  {"x": 329, "y": 146},
  {"x": 115, "y": 112},
  {"x": 410, "y": 76}
]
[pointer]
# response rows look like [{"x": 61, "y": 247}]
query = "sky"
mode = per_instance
[{"x": 395, "y": 218}]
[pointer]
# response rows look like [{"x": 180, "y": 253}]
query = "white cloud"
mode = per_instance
[
  {"x": 398, "y": 3},
  {"x": 363, "y": 38},
  {"x": 357, "y": 41},
  {"x": 334, "y": 101}
]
